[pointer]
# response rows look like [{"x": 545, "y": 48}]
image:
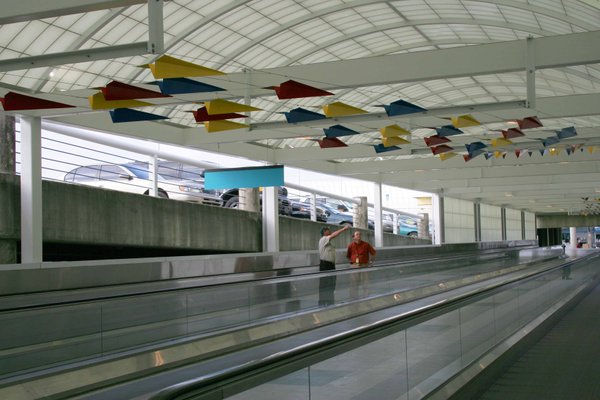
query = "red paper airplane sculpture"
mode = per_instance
[
  {"x": 122, "y": 91},
  {"x": 441, "y": 149},
  {"x": 331, "y": 142},
  {"x": 294, "y": 90},
  {"x": 201, "y": 115},
  {"x": 15, "y": 102},
  {"x": 529, "y": 122},
  {"x": 512, "y": 133},
  {"x": 435, "y": 140}
]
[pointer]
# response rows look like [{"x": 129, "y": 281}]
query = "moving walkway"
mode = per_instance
[{"x": 159, "y": 343}]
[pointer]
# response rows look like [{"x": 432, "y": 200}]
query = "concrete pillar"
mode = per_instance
[
  {"x": 424, "y": 226},
  {"x": 313, "y": 206},
  {"x": 378, "y": 215},
  {"x": 438, "y": 219},
  {"x": 8, "y": 248},
  {"x": 361, "y": 213},
  {"x": 152, "y": 175},
  {"x": 573, "y": 237},
  {"x": 31, "y": 190},
  {"x": 249, "y": 199},
  {"x": 270, "y": 218},
  {"x": 591, "y": 238},
  {"x": 503, "y": 222},
  {"x": 7, "y": 144},
  {"x": 477, "y": 217}
]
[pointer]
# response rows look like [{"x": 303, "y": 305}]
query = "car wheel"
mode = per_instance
[
  {"x": 344, "y": 223},
  {"x": 233, "y": 202},
  {"x": 161, "y": 193},
  {"x": 413, "y": 234}
]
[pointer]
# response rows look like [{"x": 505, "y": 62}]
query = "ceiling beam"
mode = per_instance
[
  {"x": 493, "y": 58},
  {"x": 28, "y": 10}
]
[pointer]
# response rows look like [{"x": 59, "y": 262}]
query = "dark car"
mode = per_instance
[{"x": 302, "y": 210}]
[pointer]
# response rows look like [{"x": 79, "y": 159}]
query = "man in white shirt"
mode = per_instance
[{"x": 327, "y": 263}]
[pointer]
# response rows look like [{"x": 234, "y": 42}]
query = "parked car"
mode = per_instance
[
  {"x": 135, "y": 178},
  {"x": 408, "y": 226},
  {"x": 337, "y": 217},
  {"x": 302, "y": 210},
  {"x": 230, "y": 198}
]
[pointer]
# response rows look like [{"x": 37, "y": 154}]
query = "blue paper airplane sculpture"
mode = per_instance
[
  {"x": 338, "y": 130},
  {"x": 401, "y": 107},
  {"x": 448, "y": 130},
  {"x": 128, "y": 115},
  {"x": 475, "y": 146},
  {"x": 550, "y": 141},
  {"x": 302, "y": 115},
  {"x": 184, "y": 85},
  {"x": 380, "y": 148},
  {"x": 566, "y": 133}
]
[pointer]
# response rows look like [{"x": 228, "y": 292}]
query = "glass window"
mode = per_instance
[
  {"x": 70, "y": 177},
  {"x": 112, "y": 173},
  {"x": 140, "y": 171},
  {"x": 192, "y": 172},
  {"x": 170, "y": 170},
  {"x": 86, "y": 173}
]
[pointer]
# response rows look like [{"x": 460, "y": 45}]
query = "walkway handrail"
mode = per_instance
[{"x": 261, "y": 370}]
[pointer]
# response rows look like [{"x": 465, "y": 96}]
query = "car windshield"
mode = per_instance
[{"x": 141, "y": 171}]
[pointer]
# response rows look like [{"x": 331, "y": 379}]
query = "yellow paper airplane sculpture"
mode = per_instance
[
  {"x": 463, "y": 121},
  {"x": 98, "y": 102},
  {"x": 393, "y": 130},
  {"x": 223, "y": 125},
  {"x": 170, "y": 67},
  {"x": 447, "y": 155},
  {"x": 221, "y": 106},
  {"x": 393, "y": 141},
  {"x": 339, "y": 109},
  {"x": 501, "y": 142}
]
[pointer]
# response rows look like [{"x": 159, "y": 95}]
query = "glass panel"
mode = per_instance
[
  {"x": 374, "y": 371},
  {"x": 294, "y": 386},
  {"x": 433, "y": 353}
]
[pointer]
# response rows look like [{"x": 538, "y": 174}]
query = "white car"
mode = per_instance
[{"x": 135, "y": 178}]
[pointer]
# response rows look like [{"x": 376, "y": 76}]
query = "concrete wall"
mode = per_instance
[
  {"x": 82, "y": 215},
  {"x": 513, "y": 224},
  {"x": 302, "y": 234},
  {"x": 459, "y": 221},
  {"x": 491, "y": 223}
]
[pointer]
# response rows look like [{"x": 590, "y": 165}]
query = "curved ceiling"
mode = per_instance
[{"x": 497, "y": 60}]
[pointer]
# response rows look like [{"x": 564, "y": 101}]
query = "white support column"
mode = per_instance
[
  {"x": 503, "y": 222},
  {"x": 378, "y": 214},
  {"x": 438, "y": 219},
  {"x": 31, "y": 190},
  {"x": 156, "y": 39},
  {"x": 270, "y": 217},
  {"x": 152, "y": 175},
  {"x": 573, "y": 237},
  {"x": 313, "y": 206}
]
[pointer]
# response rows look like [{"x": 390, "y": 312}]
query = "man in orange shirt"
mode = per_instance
[{"x": 360, "y": 254}]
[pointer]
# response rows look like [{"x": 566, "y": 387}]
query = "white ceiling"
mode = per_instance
[{"x": 449, "y": 57}]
